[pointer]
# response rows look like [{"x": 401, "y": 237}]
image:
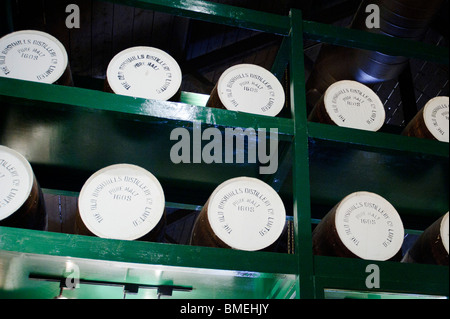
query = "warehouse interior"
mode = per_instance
[{"x": 204, "y": 50}]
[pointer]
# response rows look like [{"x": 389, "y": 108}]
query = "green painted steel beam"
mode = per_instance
[
  {"x": 350, "y": 274},
  {"x": 375, "y": 42},
  {"x": 77, "y": 246},
  {"x": 278, "y": 179},
  {"x": 7, "y": 6},
  {"x": 378, "y": 141},
  {"x": 281, "y": 60},
  {"x": 216, "y": 13},
  {"x": 29, "y": 93},
  {"x": 301, "y": 191}
]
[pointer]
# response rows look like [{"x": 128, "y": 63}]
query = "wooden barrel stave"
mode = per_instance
[
  {"x": 431, "y": 121},
  {"x": 342, "y": 233},
  {"x": 349, "y": 104},
  {"x": 429, "y": 248},
  {"x": 31, "y": 214},
  {"x": 235, "y": 224}
]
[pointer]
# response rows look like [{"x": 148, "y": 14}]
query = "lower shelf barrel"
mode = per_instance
[
  {"x": 362, "y": 225},
  {"x": 242, "y": 213},
  {"x": 122, "y": 201},
  {"x": 21, "y": 199},
  {"x": 432, "y": 245},
  {"x": 431, "y": 121},
  {"x": 349, "y": 104}
]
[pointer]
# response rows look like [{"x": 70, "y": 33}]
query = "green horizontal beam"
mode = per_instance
[
  {"x": 350, "y": 273},
  {"x": 375, "y": 42},
  {"x": 18, "y": 91},
  {"x": 216, "y": 13},
  {"x": 59, "y": 244},
  {"x": 378, "y": 140}
]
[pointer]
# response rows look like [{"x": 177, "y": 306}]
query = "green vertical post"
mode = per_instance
[
  {"x": 301, "y": 189},
  {"x": 282, "y": 59}
]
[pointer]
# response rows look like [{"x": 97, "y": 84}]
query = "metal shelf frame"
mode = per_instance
[{"x": 300, "y": 275}]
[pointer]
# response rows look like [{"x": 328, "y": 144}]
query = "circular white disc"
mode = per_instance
[
  {"x": 369, "y": 226},
  {"x": 252, "y": 89},
  {"x": 246, "y": 213},
  {"x": 435, "y": 115},
  {"x": 16, "y": 181},
  {"x": 444, "y": 231},
  {"x": 354, "y": 105},
  {"x": 121, "y": 201},
  {"x": 32, "y": 55},
  {"x": 144, "y": 72}
]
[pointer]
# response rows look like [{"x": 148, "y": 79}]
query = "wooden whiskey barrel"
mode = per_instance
[
  {"x": 248, "y": 88},
  {"x": 431, "y": 121},
  {"x": 242, "y": 213},
  {"x": 144, "y": 72},
  {"x": 122, "y": 201},
  {"x": 34, "y": 56},
  {"x": 432, "y": 245},
  {"x": 350, "y": 104},
  {"x": 21, "y": 199},
  {"x": 362, "y": 225}
]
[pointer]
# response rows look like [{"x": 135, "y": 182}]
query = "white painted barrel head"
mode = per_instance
[
  {"x": 16, "y": 181},
  {"x": 144, "y": 72},
  {"x": 369, "y": 226},
  {"x": 33, "y": 56},
  {"x": 435, "y": 116},
  {"x": 354, "y": 105},
  {"x": 444, "y": 231},
  {"x": 121, "y": 201},
  {"x": 246, "y": 213},
  {"x": 252, "y": 89}
]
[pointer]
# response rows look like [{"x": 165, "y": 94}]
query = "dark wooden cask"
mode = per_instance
[
  {"x": 431, "y": 121},
  {"x": 242, "y": 213},
  {"x": 122, "y": 201},
  {"x": 248, "y": 88},
  {"x": 349, "y": 104},
  {"x": 34, "y": 56},
  {"x": 21, "y": 199},
  {"x": 144, "y": 72},
  {"x": 362, "y": 225},
  {"x": 432, "y": 245}
]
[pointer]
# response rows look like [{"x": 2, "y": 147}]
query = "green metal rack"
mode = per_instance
[{"x": 76, "y": 128}]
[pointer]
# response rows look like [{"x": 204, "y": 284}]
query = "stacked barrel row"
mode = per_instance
[
  {"x": 151, "y": 73},
  {"x": 127, "y": 202},
  {"x": 124, "y": 201}
]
